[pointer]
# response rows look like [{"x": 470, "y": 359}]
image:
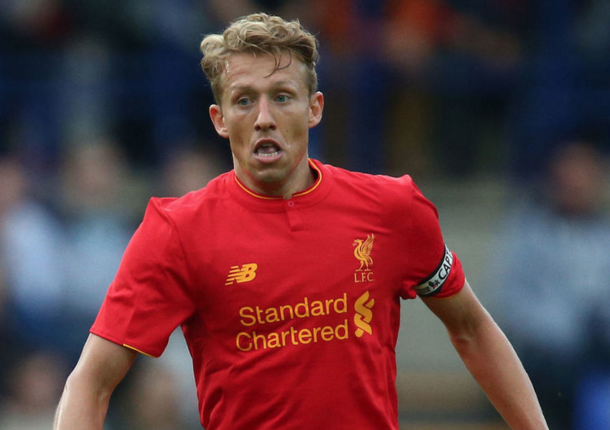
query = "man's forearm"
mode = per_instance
[
  {"x": 80, "y": 408},
  {"x": 85, "y": 400},
  {"x": 492, "y": 361}
]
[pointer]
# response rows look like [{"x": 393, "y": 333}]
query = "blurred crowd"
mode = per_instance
[
  {"x": 549, "y": 275},
  {"x": 103, "y": 106},
  {"x": 59, "y": 255}
]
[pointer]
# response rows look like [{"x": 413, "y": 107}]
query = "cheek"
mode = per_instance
[
  {"x": 237, "y": 132},
  {"x": 299, "y": 126}
]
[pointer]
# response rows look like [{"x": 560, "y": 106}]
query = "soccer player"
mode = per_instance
[{"x": 286, "y": 274}]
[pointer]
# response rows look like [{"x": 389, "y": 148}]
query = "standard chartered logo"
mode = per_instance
[
  {"x": 262, "y": 327},
  {"x": 364, "y": 315}
]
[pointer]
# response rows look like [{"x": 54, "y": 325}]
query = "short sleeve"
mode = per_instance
[
  {"x": 149, "y": 298},
  {"x": 435, "y": 269}
]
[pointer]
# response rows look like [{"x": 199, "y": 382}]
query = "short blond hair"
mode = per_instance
[{"x": 259, "y": 33}]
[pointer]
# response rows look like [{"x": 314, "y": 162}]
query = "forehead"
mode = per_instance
[{"x": 254, "y": 70}]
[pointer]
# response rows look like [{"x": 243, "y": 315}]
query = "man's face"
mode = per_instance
[{"x": 266, "y": 116}]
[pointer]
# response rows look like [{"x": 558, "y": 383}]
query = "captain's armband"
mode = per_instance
[{"x": 434, "y": 283}]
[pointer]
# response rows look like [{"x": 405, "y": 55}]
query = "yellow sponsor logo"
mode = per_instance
[
  {"x": 257, "y": 317},
  {"x": 363, "y": 315},
  {"x": 304, "y": 309},
  {"x": 253, "y": 341},
  {"x": 265, "y": 327},
  {"x": 245, "y": 273}
]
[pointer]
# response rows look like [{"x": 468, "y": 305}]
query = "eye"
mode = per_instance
[
  {"x": 243, "y": 101},
  {"x": 282, "y": 98}
]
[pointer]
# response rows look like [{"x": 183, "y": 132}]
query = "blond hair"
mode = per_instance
[{"x": 259, "y": 33}]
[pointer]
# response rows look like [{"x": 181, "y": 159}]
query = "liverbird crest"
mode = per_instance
[{"x": 363, "y": 252}]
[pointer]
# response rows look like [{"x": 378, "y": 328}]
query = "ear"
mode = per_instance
[
  {"x": 218, "y": 120},
  {"x": 316, "y": 106}
]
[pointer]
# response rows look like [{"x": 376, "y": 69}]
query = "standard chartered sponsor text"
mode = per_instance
[{"x": 255, "y": 316}]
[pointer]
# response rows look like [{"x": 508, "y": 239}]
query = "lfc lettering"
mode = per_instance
[{"x": 363, "y": 277}]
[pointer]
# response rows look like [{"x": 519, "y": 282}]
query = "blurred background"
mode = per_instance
[{"x": 499, "y": 109}]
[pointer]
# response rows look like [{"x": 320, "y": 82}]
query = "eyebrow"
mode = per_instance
[
  {"x": 282, "y": 83},
  {"x": 288, "y": 84}
]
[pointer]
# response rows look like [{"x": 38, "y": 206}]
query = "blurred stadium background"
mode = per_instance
[{"x": 103, "y": 104}]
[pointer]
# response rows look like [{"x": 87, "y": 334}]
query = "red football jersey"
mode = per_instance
[{"x": 290, "y": 307}]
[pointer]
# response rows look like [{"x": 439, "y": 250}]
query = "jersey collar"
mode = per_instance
[{"x": 310, "y": 196}]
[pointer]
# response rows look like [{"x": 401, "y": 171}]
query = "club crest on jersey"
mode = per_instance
[{"x": 362, "y": 252}]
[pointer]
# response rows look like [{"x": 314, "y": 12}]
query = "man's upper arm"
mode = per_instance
[
  {"x": 461, "y": 313},
  {"x": 103, "y": 363}
]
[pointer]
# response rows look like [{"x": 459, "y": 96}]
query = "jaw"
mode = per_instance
[
  {"x": 268, "y": 173},
  {"x": 274, "y": 176}
]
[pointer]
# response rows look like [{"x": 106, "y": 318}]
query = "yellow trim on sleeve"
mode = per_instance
[{"x": 137, "y": 350}]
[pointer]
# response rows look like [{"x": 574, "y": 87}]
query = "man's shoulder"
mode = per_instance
[
  {"x": 392, "y": 195},
  {"x": 193, "y": 201},
  {"x": 378, "y": 183}
]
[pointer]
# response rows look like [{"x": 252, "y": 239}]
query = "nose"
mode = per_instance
[{"x": 265, "y": 119}]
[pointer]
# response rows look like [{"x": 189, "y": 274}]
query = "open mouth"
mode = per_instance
[{"x": 267, "y": 149}]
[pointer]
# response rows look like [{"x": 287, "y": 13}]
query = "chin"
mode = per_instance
[{"x": 271, "y": 178}]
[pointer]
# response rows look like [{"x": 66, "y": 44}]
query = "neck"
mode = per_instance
[{"x": 298, "y": 180}]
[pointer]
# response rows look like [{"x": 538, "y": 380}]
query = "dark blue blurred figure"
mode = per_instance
[
  {"x": 96, "y": 199},
  {"x": 31, "y": 240},
  {"x": 551, "y": 269},
  {"x": 566, "y": 84}
]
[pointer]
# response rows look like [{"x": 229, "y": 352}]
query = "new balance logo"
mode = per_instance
[{"x": 245, "y": 273}]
